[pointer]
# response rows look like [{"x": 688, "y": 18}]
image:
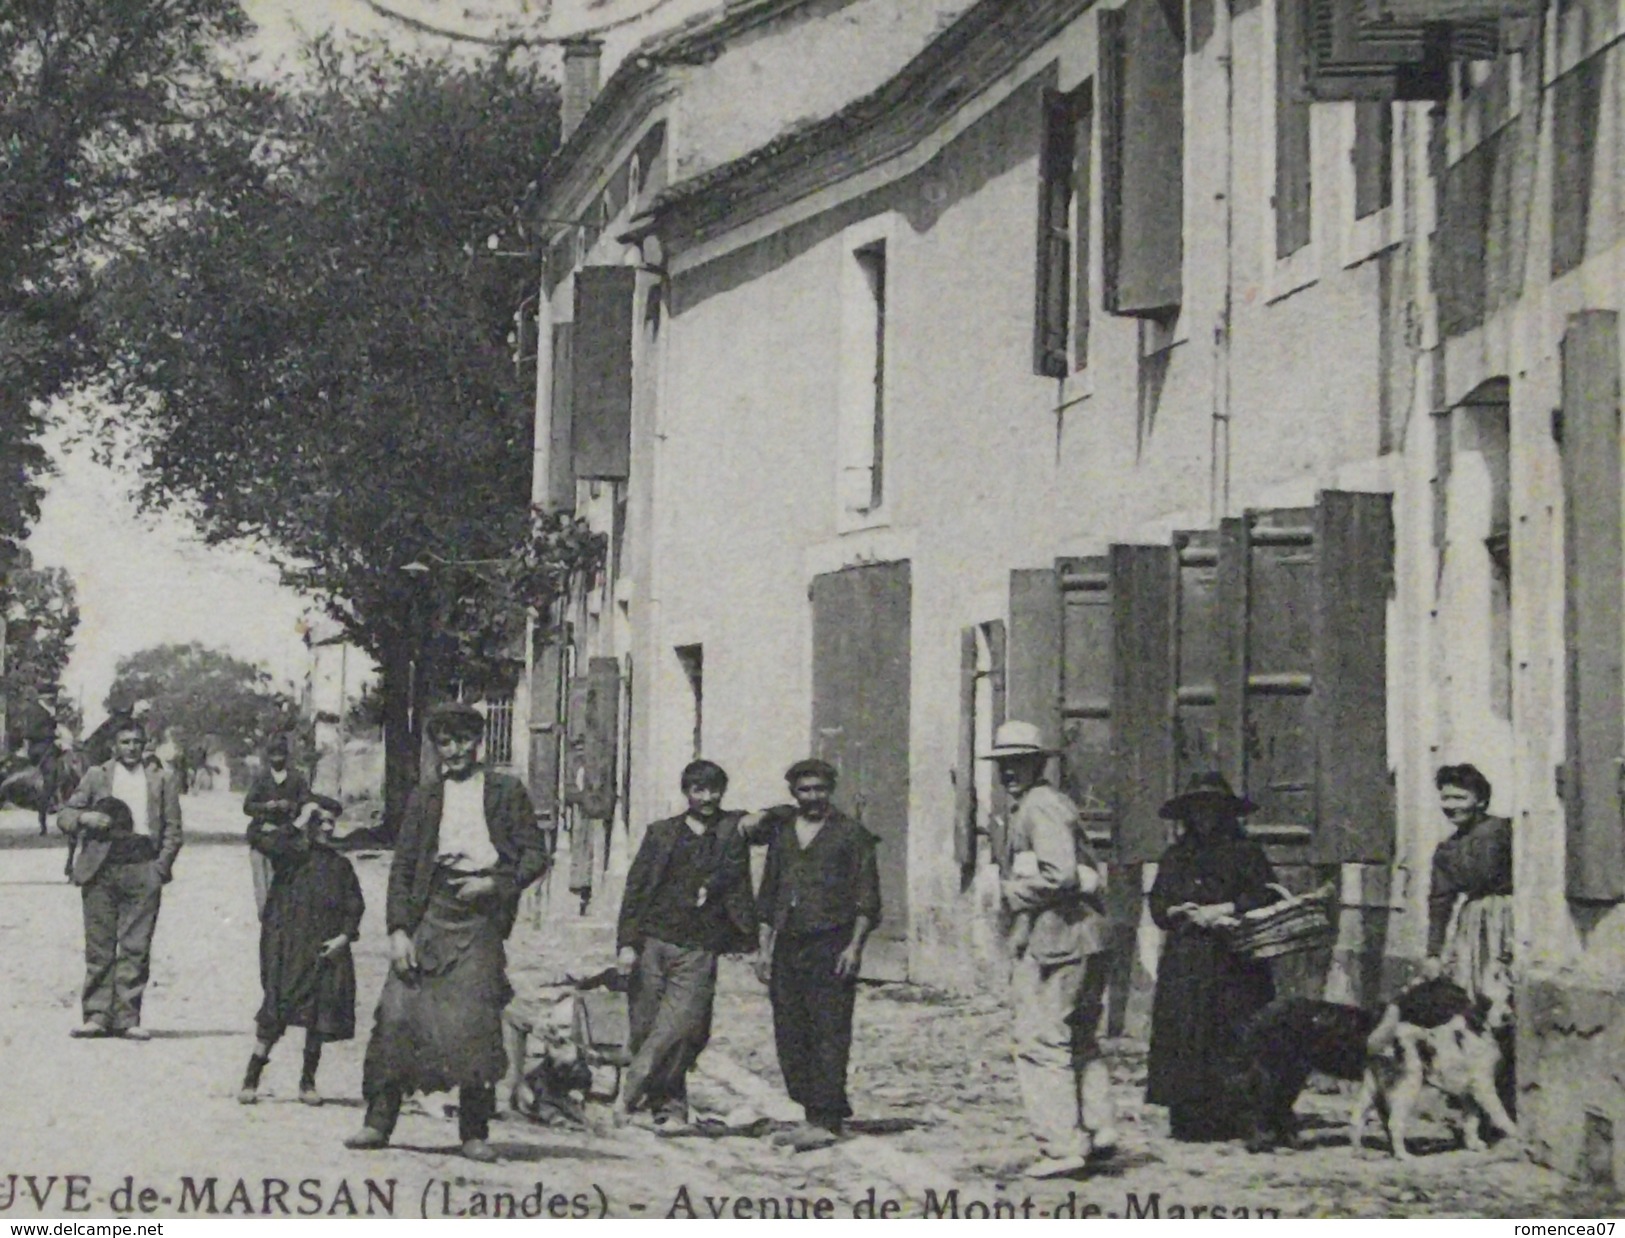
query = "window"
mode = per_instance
[
  {"x": 862, "y": 447},
  {"x": 1061, "y": 337},
  {"x": 692, "y": 660}
]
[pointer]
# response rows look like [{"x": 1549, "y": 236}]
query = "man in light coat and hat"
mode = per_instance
[{"x": 1059, "y": 976}]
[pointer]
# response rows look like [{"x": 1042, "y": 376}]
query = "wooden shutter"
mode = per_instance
[
  {"x": 1083, "y": 163},
  {"x": 1416, "y": 12},
  {"x": 1293, "y": 152},
  {"x": 1576, "y": 115},
  {"x": 547, "y": 668},
  {"x": 1373, "y": 157},
  {"x": 1354, "y": 535},
  {"x": 1033, "y": 669},
  {"x": 1594, "y": 777},
  {"x": 561, "y": 478},
  {"x": 1266, "y": 736},
  {"x": 998, "y": 811},
  {"x": 1461, "y": 248},
  {"x": 601, "y": 371},
  {"x": 1142, "y": 691},
  {"x": 592, "y": 735},
  {"x": 965, "y": 760},
  {"x": 1088, "y": 776},
  {"x": 1195, "y": 656},
  {"x": 1349, "y": 58},
  {"x": 1142, "y": 59},
  {"x": 1052, "y": 302}
]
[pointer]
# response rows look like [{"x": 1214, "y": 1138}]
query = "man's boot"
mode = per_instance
[{"x": 249, "y": 1092}]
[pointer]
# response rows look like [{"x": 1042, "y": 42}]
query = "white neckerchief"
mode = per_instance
[
  {"x": 465, "y": 840},
  {"x": 130, "y": 785}
]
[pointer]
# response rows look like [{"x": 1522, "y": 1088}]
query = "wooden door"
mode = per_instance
[{"x": 860, "y": 712}]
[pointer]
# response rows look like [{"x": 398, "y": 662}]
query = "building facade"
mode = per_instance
[{"x": 1195, "y": 380}]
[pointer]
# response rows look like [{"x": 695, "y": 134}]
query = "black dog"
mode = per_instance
[{"x": 1293, "y": 1037}]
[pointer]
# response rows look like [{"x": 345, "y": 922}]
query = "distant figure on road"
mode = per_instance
[
  {"x": 38, "y": 731},
  {"x": 687, "y": 900},
  {"x": 468, "y": 845},
  {"x": 126, "y": 819},
  {"x": 312, "y": 916},
  {"x": 274, "y": 798},
  {"x": 819, "y": 901}
]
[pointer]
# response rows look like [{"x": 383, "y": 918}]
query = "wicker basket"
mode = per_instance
[{"x": 1295, "y": 924}]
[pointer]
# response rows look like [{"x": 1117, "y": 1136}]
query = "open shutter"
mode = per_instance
[
  {"x": 1354, "y": 534},
  {"x": 1373, "y": 157},
  {"x": 1142, "y": 119},
  {"x": 592, "y": 734},
  {"x": 1416, "y": 12},
  {"x": 561, "y": 477},
  {"x": 1142, "y": 691},
  {"x": 601, "y": 370},
  {"x": 1576, "y": 125},
  {"x": 965, "y": 760},
  {"x": 1087, "y": 773},
  {"x": 1033, "y": 679},
  {"x": 545, "y": 733},
  {"x": 1350, "y": 58},
  {"x": 1195, "y": 656},
  {"x": 1083, "y": 163},
  {"x": 1594, "y": 778},
  {"x": 1267, "y": 592},
  {"x": 1052, "y": 303}
]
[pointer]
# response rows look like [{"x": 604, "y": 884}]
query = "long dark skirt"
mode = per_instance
[
  {"x": 1204, "y": 997},
  {"x": 443, "y": 1028},
  {"x": 308, "y": 904}
]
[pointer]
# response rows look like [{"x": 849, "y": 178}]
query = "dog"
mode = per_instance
[{"x": 1431, "y": 1034}]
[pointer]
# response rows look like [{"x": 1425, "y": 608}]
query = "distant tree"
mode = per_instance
[
  {"x": 106, "y": 111},
  {"x": 203, "y": 694},
  {"x": 42, "y": 609},
  {"x": 327, "y": 361}
]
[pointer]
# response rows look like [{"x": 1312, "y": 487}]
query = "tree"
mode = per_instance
[
  {"x": 106, "y": 109},
  {"x": 203, "y": 693},
  {"x": 42, "y": 613},
  {"x": 324, "y": 360}
]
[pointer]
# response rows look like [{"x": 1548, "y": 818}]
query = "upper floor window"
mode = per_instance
[
  {"x": 1061, "y": 319},
  {"x": 863, "y": 397}
]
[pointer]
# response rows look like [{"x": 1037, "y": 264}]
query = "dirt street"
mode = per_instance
[{"x": 94, "y": 1127}]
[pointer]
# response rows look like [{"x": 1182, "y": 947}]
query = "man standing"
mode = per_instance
[
  {"x": 819, "y": 901},
  {"x": 1059, "y": 979},
  {"x": 687, "y": 900},
  {"x": 126, "y": 820},
  {"x": 274, "y": 799}
]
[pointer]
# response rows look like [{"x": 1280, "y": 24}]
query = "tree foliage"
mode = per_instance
[
  {"x": 106, "y": 108},
  {"x": 201, "y": 693},
  {"x": 42, "y": 613}
]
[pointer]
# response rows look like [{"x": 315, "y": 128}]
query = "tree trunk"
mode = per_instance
[{"x": 400, "y": 737}]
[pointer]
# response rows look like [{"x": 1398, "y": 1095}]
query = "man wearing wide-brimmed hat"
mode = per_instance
[{"x": 1058, "y": 939}]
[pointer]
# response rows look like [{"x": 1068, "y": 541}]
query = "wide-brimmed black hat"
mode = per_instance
[
  {"x": 117, "y": 812},
  {"x": 455, "y": 718},
  {"x": 1210, "y": 791}
]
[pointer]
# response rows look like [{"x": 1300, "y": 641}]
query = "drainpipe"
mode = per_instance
[{"x": 1219, "y": 482}]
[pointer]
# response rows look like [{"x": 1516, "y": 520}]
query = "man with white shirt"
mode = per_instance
[{"x": 125, "y": 856}]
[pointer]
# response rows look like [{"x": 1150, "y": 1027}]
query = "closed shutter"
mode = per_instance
[
  {"x": 1594, "y": 779},
  {"x": 601, "y": 371},
  {"x": 1293, "y": 164},
  {"x": 1355, "y": 801},
  {"x": 1087, "y": 769},
  {"x": 1054, "y": 260},
  {"x": 545, "y": 733},
  {"x": 1348, "y": 57},
  {"x": 1033, "y": 670},
  {"x": 561, "y": 478},
  {"x": 592, "y": 732},
  {"x": 1142, "y": 157},
  {"x": 1266, "y": 736},
  {"x": 965, "y": 806},
  {"x": 1142, "y": 580}
]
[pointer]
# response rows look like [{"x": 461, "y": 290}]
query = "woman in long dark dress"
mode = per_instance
[
  {"x": 1205, "y": 992},
  {"x": 312, "y": 914},
  {"x": 468, "y": 845}
]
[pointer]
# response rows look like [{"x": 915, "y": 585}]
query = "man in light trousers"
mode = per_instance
[{"x": 1058, "y": 943}]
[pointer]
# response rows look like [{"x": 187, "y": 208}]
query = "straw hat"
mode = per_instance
[{"x": 1018, "y": 739}]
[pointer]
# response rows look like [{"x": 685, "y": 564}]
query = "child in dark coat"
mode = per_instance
[{"x": 312, "y": 914}]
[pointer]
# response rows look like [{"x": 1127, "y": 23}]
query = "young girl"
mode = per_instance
[{"x": 312, "y": 914}]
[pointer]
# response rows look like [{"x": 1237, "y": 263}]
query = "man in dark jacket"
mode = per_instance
[
  {"x": 687, "y": 900},
  {"x": 819, "y": 901}
]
